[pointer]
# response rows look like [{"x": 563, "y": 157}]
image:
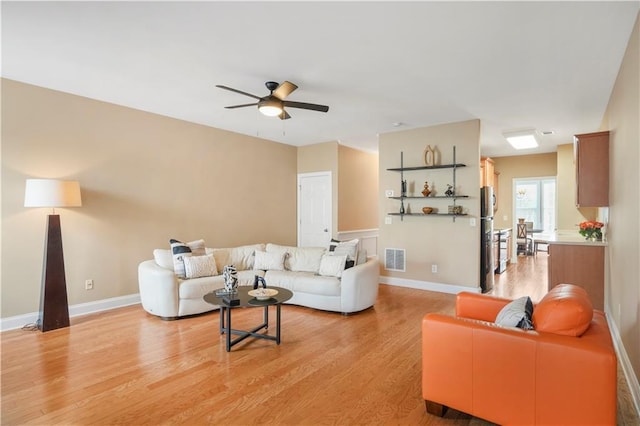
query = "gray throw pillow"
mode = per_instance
[{"x": 517, "y": 313}]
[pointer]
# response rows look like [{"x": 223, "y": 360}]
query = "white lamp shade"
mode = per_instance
[{"x": 52, "y": 193}]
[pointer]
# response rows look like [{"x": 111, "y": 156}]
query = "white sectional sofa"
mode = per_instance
[{"x": 310, "y": 272}]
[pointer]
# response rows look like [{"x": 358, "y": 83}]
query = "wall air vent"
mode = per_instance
[{"x": 394, "y": 259}]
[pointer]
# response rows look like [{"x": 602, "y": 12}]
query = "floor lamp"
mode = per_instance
[{"x": 54, "y": 307}]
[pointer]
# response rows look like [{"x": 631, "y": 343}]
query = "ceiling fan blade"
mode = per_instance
[
  {"x": 284, "y": 116},
  {"x": 284, "y": 90},
  {"x": 303, "y": 105},
  {"x": 240, "y": 106},
  {"x": 238, "y": 91}
]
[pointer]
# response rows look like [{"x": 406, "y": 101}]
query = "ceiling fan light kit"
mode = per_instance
[
  {"x": 270, "y": 106},
  {"x": 273, "y": 104}
]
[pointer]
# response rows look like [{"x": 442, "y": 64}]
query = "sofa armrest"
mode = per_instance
[
  {"x": 479, "y": 306},
  {"x": 359, "y": 286},
  {"x": 158, "y": 289}
]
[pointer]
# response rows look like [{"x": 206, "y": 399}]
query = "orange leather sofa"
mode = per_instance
[{"x": 561, "y": 373}]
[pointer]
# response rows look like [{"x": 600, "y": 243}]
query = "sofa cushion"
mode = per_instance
[
  {"x": 565, "y": 310},
  {"x": 163, "y": 258},
  {"x": 349, "y": 248},
  {"x": 196, "y": 288},
  {"x": 332, "y": 265},
  {"x": 305, "y": 282},
  {"x": 299, "y": 259},
  {"x": 181, "y": 250},
  {"x": 241, "y": 257},
  {"x": 269, "y": 261},
  {"x": 517, "y": 313},
  {"x": 200, "y": 266}
]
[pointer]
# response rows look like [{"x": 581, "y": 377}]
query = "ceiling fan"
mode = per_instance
[{"x": 273, "y": 104}]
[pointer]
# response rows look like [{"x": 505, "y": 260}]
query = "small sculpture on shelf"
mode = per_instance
[
  {"x": 404, "y": 188},
  {"x": 449, "y": 192},
  {"x": 426, "y": 191},
  {"x": 401, "y": 207}
]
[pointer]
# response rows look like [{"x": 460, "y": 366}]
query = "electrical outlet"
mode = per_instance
[
  {"x": 434, "y": 268},
  {"x": 88, "y": 285},
  {"x": 387, "y": 220},
  {"x": 472, "y": 221}
]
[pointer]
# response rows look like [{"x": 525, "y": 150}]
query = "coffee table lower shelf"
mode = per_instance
[
  {"x": 247, "y": 301},
  {"x": 225, "y": 327}
]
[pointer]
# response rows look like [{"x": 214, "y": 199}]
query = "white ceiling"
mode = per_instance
[{"x": 513, "y": 65}]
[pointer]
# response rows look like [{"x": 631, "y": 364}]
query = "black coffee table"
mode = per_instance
[{"x": 247, "y": 301}]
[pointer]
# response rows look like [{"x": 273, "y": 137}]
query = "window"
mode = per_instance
[{"x": 535, "y": 201}]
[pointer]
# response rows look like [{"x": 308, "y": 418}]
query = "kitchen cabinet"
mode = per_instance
[
  {"x": 581, "y": 265},
  {"x": 487, "y": 171},
  {"x": 504, "y": 249},
  {"x": 489, "y": 177},
  {"x": 591, "y": 156}
]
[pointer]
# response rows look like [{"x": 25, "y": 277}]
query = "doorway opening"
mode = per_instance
[{"x": 535, "y": 200}]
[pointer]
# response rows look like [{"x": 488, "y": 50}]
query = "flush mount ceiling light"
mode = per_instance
[{"x": 523, "y": 139}]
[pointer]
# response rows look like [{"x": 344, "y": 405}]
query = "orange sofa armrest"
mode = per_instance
[{"x": 479, "y": 306}]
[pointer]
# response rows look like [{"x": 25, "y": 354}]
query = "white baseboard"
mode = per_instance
[
  {"x": 427, "y": 285},
  {"x": 18, "y": 321},
  {"x": 625, "y": 362}
]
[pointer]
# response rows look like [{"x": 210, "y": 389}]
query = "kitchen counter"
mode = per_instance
[
  {"x": 571, "y": 237},
  {"x": 574, "y": 260}
]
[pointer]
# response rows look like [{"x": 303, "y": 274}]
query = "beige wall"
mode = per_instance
[
  {"x": 519, "y": 166},
  {"x": 357, "y": 189},
  {"x": 322, "y": 157},
  {"x": 453, "y": 246},
  {"x": 622, "y": 286},
  {"x": 144, "y": 178},
  {"x": 559, "y": 164},
  {"x": 354, "y": 183}
]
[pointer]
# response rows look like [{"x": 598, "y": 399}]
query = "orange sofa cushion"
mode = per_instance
[{"x": 565, "y": 310}]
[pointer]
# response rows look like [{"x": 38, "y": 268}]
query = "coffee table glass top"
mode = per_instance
[{"x": 247, "y": 300}]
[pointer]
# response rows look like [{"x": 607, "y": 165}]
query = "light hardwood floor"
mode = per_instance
[{"x": 127, "y": 367}]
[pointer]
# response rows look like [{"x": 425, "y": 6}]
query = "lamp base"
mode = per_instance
[{"x": 54, "y": 306}]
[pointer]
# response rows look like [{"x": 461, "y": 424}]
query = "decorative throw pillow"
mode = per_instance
[
  {"x": 332, "y": 265},
  {"x": 517, "y": 313},
  {"x": 348, "y": 248},
  {"x": 181, "y": 250},
  {"x": 200, "y": 266},
  {"x": 269, "y": 261}
]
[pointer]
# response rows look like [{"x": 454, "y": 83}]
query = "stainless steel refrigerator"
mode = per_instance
[{"x": 487, "y": 201}]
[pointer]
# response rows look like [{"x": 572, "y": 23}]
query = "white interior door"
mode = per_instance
[{"x": 314, "y": 209}]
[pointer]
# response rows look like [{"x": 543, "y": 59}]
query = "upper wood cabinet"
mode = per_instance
[
  {"x": 489, "y": 177},
  {"x": 486, "y": 172},
  {"x": 591, "y": 154}
]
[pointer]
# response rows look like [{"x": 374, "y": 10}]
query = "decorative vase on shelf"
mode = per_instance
[
  {"x": 429, "y": 156},
  {"x": 426, "y": 191}
]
